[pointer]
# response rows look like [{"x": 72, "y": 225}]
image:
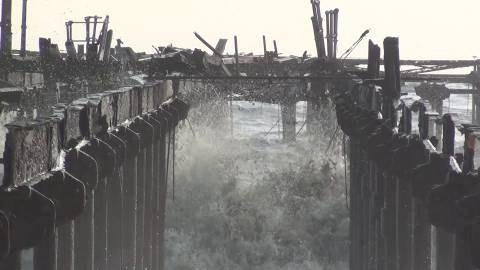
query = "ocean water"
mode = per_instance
[{"x": 250, "y": 201}]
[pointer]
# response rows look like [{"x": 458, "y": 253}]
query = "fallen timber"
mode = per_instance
[
  {"x": 408, "y": 189},
  {"x": 86, "y": 187}
]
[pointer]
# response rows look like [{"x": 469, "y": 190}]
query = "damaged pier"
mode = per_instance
[{"x": 86, "y": 186}]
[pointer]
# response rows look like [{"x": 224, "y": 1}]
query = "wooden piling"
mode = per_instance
[
  {"x": 129, "y": 213},
  {"x": 140, "y": 208},
  {"x": 404, "y": 208},
  {"x": 12, "y": 262},
  {"x": 237, "y": 64},
  {"x": 84, "y": 235},
  {"x": 101, "y": 214},
  {"x": 45, "y": 253},
  {"x": 65, "y": 253},
  {"x": 422, "y": 229},
  {"x": 156, "y": 203},
  {"x": 391, "y": 93},
  {"x": 148, "y": 217},
  {"x": 23, "y": 38},
  {"x": 114, "y": 219},
  {"x": 265, "y": 56},
  {"x": 373, "y": 60},
  {"x": 445, "y": 241},
  {"x": 6, "y": 29},
  {"x": 275, "y": 48},
  {"x": 162, "y": 190}
]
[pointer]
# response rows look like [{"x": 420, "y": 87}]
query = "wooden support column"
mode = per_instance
[
  {"x": 140, "y": 208},
  {"x": 355, "y": 208},
  {"x": 373, "y": 60},
  {"x": 101, "y": 214},
  {"x": 376, "y": 201},
  {"x": 404, "y": 207},
  {"x": 237, "y": 64},
  {"x": 155, "y": 204},
  {"x": 364, "y": 203},
  {"x": 45, "y": 253},
  {"x": 148, "y": 213},
  {"x": 422, "y": 228},
  {"x": 463, "y": 253},
  {"x": 65, "y": 253},
  {"x": 12, "y": 262},
  {"x": 265, "y": 56},
  {"x": 114, "y": 220},
  {"x": 391, "y": 94},
  {"x": 84, "y": 235},
  {"x": 130, "y": 212},
  {"x": 23, "y": 39},
  {"x": 6, "y": 29},
  {"x": 162, "y": 191},
  {"x": 439, "y": 132},
  {"x": 445, "y": 241},
  {"x": 463, "y": 259}
]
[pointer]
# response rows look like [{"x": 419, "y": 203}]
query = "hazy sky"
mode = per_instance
[{"x": 428, "y": 29}]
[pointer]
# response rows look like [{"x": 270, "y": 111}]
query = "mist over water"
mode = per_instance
[{"x": 251, "y": 201}]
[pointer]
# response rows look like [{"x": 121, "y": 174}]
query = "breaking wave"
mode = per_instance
[{"x": 251, "y": 201}]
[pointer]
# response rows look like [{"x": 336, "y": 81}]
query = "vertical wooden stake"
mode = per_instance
[{"x": 237, "y": 64}]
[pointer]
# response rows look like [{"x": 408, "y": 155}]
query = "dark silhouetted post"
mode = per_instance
[
  {"x": 23, "y": 45},
  {"x": 237, "y": 68},
  {"x": 445, "y": 241},
  {"x": 422, "y": 228},
  {"x": 391, "y": 93}
]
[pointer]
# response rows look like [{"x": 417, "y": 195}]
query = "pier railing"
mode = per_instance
[{"x": 86, "y": 187}]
